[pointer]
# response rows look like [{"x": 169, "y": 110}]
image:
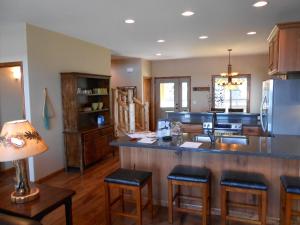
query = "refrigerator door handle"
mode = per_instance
[{"x": 263, "y": 126}]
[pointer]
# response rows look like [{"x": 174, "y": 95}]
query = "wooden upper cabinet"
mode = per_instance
[{"x": 284, "y": 48}]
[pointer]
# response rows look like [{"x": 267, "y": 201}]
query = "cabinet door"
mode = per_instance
[
  {"x": 252, "y": 131},
  {"x": 273, "y": 54},
  {"x": 93, "y": 143}
]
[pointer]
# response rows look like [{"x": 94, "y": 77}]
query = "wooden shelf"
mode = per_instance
[{"x": 93, "y": 111}]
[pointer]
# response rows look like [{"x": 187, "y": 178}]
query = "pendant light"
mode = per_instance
[{"x": 228, "y": 82}]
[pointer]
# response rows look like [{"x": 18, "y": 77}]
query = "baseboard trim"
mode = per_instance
[{"x": 43, "y": 179}]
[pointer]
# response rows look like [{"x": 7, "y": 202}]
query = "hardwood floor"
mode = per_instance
[{"x": 88, "y": 203}]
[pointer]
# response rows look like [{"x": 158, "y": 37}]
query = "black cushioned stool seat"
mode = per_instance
[
  {"x": 131, "y": 180},
  {"x": 289, "y": 192},
  {"x": 190, "y": 173},
  {"x": 128, "y": 177},
  {"x": 243, "y": 183},
  {"x": 291, "y": 184},
  {"x": 193, "y": 177},
  {"x": 244, "y": 180}
]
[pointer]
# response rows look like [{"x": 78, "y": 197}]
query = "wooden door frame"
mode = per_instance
[
  {"x": 20, "y": 64},
  {"x": 152, "y": 125},
  {"x": 172, "y": 77}
]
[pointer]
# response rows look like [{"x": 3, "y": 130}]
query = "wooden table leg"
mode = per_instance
[{"x": 68, "y": 211}]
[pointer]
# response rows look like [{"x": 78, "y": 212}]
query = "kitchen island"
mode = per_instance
[{"x": 270, "y": 156}]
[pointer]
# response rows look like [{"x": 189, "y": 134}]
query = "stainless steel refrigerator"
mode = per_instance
[{"x": 280, "y": 107}]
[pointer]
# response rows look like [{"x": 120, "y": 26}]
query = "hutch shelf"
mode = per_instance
[{"x": 85, "y": 97}]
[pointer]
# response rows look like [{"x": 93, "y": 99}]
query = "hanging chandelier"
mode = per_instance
[{"x": 227, "y": 81}]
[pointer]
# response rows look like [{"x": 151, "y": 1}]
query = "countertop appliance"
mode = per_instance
[
  {"x": 224, "y": 128},
  {"x": 280, "y": 107}
]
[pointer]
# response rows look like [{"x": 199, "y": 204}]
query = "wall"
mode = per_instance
[
  {"x": 201, "y": 69},
  {"x": 11, "y": 101},
  {"x": 49, "y": 54},
  {"x": 121, "y": 77}
]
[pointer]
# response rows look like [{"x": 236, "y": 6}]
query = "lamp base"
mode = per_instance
[{"x": 17, "y": 198}]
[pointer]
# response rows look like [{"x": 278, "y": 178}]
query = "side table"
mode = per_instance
[{"x": 50, "y": 198}]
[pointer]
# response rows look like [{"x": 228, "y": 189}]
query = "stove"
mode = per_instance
[{"x": 224, "y": 128}]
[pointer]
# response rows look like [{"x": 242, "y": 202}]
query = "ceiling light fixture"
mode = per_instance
[
  {"x": 260, "y": 4},
  {"x": 161, "y": 41},
  {"x": 228, "y": 83},
  {"x": 129, "y": 21},
  {"x": 158, "y": 54},
  {"x": 187, "y": 13},
  {"x": 251, "y": 33},
  {"x": 203, "y": 37}
]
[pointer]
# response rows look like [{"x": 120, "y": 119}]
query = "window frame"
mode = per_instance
[{"x": 248, "y": 76}]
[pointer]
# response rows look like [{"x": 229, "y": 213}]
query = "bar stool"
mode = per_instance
[
  {"x": 133, "y": 180},
  {"x": 192, "y": 177},
  {"x": 289, "y": 191},
  {"x": 246, "y": 183}
]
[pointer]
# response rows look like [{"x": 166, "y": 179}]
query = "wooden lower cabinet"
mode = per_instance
[
  {"x": 252, "y": 131},
  {"x": 85, "y": 148}
]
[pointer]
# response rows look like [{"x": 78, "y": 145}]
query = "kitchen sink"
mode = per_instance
[
  {"x": 240, "y": 140},
  {"x": 230, "y": 139},
  {"x": 201, "y": 138}
]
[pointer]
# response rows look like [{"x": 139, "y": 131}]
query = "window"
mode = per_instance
[{"x": 238, "y": 98}]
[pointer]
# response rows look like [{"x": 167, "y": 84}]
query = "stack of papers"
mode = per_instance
[
  {"x": 147, "y": 140},
  {"x": 189, "y": 144},
  {"x": 142, "y": 135}
]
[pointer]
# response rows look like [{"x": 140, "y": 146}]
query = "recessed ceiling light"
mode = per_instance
[
  {"x": 158, "y": 54},
  {"x": 129, "y": 21},
  {"x": 161, "y": 41},
  {"x": 251, "y": 33},
  {"x": 187, "y": 13},
  {"x": 260, "y": 4},
  {"x": 203, "y": 37}
]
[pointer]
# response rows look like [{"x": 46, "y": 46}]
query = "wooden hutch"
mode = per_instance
[{"x": 85, "y": 98}]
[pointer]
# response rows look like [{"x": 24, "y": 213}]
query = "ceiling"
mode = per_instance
[{"x": 225, "y": 22}]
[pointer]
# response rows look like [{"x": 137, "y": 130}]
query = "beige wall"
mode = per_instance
[
  {"x": 121, "y": 77},
  {"x": 11, "y": 101},
  {"x": 49, "y": 54},
  {"x": 201, "y": 69}
]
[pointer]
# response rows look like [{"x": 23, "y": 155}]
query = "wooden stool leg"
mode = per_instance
[
  {"x": 259, "y": 208},
  {"x": 282, "y": 205},
  {"x": 178, "y": 196},
  {"x": 107, "y": 203},
  {"x": 223, "y": 205},
  {"x": 121, "y": 191},
  {"x": 288, "y": 210},
  {"x": 204, "y": 202},
  {"x": 170, "y": 201},
  {"x": 264, "y": 208},
  {"x": 150, "y": 197},
  {"x": 139, "y": 206}
]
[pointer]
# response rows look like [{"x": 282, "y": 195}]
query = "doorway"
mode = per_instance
[{"x": 172, "y": 94}]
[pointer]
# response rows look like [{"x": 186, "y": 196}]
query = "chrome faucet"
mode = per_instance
[{"x": 211, "y": 133}]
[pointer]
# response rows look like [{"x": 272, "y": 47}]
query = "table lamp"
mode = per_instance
[{"x": 18, "y": 141}]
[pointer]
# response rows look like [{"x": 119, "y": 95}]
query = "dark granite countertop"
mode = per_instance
[
  {"x": 247, "y": 119},
  {"x": 281, "y": 146}
]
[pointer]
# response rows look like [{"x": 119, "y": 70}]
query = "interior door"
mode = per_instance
[{"x": 172, "y": 95}]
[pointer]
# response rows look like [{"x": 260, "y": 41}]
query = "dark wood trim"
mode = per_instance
[
  {"x": 248, "y": 76},
  {"x": 11, "y": 64}
]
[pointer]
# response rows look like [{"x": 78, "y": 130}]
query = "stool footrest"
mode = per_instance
[
  {"x": 188, "y": 210},
  {"x": 295, "y": 213},
  {"x": 189, "y": 197},
  {"x": 242, "y": 205},
  {"x": 119, "y": 213},
  {"x": 242, "y": 220}
]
